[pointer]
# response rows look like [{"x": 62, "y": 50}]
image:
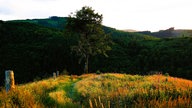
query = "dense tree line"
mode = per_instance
[
  {"x": 168, "y": 55},
  {"x": 35, "y": 51}
]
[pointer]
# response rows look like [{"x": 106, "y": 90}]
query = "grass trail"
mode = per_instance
[
  {"x": 104, "y": 90},
  {"x": 71, "y": 92},
  {"x": 65, "y": 95}
]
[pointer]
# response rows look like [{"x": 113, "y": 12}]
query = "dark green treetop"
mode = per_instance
[{"x": 91, "y": 38}]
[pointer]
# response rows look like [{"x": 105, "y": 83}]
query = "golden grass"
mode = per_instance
[
  {"x": 18, "y": 99},
  {"x": 60, "y": 97},
  {"x": 120, "y": 90},
  {"x": 34, "y": 95},
  {"x": 108, "y": 90}
]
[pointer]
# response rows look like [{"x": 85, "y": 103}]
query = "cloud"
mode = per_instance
[
  {"x": 5, "y": 11},
  {"x": 5, "y": 7}
]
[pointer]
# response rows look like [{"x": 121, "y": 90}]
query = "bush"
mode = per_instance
[
  {"x": 98, "y": 72},
  {"x": 167, "y": 74}
]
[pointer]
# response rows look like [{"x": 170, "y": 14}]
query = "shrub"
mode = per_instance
[
  {"x": 98, "y": 72},
  {"x": 167, "y": 74}
]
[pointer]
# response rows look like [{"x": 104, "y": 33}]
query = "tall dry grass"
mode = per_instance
[
  {"x": 124, "y": 91},
  {"x": 17, "y": 98},
  {"x": 42, "y": 94},
  {"x": 101, "y": 91}
]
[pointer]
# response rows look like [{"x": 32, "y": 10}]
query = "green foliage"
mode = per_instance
[
  {"x": 142, "y": 56},
  {"x": 98, "y": 72},
  {"x": 52, "y": 22},
  {"x": 33, "y": 51},
  {"x": 92, "y": 40},
  {"x": 36, "y": 51},
  {"x": 65, "y": 72},
  {"x": 166, "y": 74}
]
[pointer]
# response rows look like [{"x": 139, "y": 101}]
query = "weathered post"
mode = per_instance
[
  {"x": 57, "y": 73},
  {"x": 9, "y": 80},
  {"x": 54, "y": 75}
]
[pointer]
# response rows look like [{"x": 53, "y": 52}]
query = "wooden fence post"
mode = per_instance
[{"x": 9, "y": 80}]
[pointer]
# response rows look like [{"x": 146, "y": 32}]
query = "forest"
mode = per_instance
[{"x": 36, "y": 48}]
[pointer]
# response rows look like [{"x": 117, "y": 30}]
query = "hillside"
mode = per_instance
[
  {"x": 171, "y": 32},
  {"x": 102, "y": 90},
  {"x": 27, "y": 48},
  {"x": 52, "y": 22},
  {"x": 35, "y": 51},
  {"x": 60, "y": 22}
]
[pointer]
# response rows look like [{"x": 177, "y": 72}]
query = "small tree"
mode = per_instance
[{"x": 91, "y": 38}]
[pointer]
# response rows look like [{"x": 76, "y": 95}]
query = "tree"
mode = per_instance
[{"x": 91, "y": 38}]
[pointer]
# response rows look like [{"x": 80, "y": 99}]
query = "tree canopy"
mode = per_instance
[{"x": 91, "y": 38}]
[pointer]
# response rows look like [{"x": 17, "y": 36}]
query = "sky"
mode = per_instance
[{"x": 141, "y": 15}]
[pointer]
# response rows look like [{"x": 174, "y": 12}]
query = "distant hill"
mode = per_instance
[
  {"x": 130, "y": 30},
  {"x": 60, "y": 22},
  {"x": 171, "y": 32},
  {"x": 53, "y": 22}
]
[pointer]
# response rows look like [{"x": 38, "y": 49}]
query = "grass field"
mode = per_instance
[{"x": 108, "y": 90}]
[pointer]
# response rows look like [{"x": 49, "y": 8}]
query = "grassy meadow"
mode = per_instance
[{"x": 109, "y": 90}]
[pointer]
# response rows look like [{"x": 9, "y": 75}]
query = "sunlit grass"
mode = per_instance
[
  {"x": 108, "y": 90},
  {"x": 46, "y": 93},
  {"x": 120, "y": 90}
]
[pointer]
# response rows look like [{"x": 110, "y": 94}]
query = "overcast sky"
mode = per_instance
[{"x": 120, "y": 14}]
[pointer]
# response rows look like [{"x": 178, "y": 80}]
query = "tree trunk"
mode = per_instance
[{"x": 86, "y": 69}]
